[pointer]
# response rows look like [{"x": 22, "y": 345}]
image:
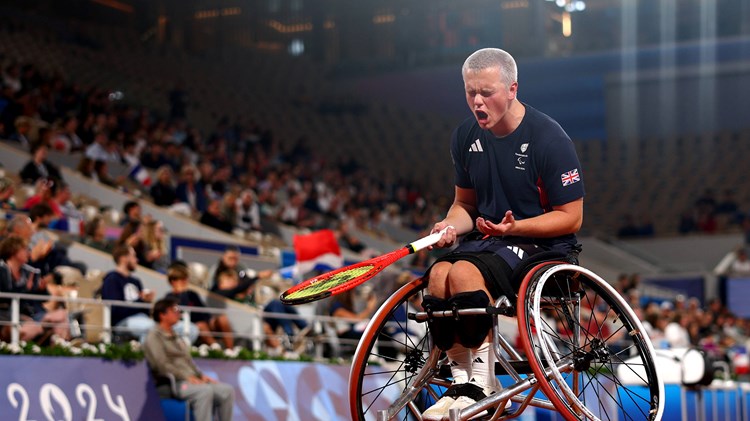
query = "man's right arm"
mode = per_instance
[{"x": 461, "y": 216}]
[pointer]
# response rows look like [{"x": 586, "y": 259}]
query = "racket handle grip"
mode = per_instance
[{"x": 427, "y": 241}]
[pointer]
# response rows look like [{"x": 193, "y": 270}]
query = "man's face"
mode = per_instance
[
  {"x": 131, "y": 260},
  {"x": 172, "y": 315},
  {"x": 488, "y": 97}
]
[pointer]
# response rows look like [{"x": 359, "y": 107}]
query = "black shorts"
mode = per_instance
[{"x": 496, "y": 258}]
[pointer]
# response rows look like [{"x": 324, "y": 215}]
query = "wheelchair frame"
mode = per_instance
[{"x": 418, "y": 373}]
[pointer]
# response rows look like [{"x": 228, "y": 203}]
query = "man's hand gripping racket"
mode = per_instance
[{"x": 348, "y": 277}]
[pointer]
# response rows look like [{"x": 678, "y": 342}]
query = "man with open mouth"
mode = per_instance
[{"x": 518, "y": 191}]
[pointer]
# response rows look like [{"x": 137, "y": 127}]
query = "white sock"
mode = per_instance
[
  {"x": 483, "y": 367},
  {"x": 459, "y": 359}
]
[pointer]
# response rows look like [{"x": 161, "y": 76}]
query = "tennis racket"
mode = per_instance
[{"x": 348, "y": 277}]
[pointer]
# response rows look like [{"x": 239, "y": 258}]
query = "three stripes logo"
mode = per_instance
[
  {"x": 517, "y": 250},
  {"x": 476, "y": 147}
]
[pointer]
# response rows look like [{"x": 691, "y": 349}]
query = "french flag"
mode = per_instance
[
  {"x": 319, "y": 250},
  {"x": 140, "y": 174}
]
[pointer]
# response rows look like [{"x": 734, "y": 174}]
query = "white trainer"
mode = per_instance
[
  {"x": 472, "y": 393},
  {"x": 439, "y": 411}
]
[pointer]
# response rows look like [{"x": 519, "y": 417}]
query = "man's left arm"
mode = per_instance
[{"x": 562, "y": 220}]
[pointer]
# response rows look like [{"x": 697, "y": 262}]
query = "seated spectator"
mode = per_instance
[
  {"x": 86, "y": 167},
  {"x": 248, "y": 212},
  {"x": 190, "y": 190},
  {"x": 131, "y": 211},
  {"x": 20, "y": 135},
  {"x": 206, "y": 323},
  {"x": 95, "y": 235},
  {"x": 41, "y": 217},
  {"x": 163, "y": 192},
  {"x": 21, "y": 226},
  {"x": 343, "y": 305},
  {"x": 103, "y": 149},
  {"x": 230, "y": 260},
  {"x": 167, "y": 355},
  {"x": 213, "y": 217},
  {"x": 741, "y": 265},
  {"x": 67, "y": 139},
  {"x": 156, "y": 244},
  {"x": 271, "y": 325},
  {"x": 7, "y": 190},
  {"x": 121, "y": 285},
  {"x": 17, "y": 276},
  {"x": 134, "y": 235},
  {"x": 230, "y": 285},
  {"x": 101, "y": 174},
  {"x": 44, "y": 193},
  {"x": 39, "y": 167}
]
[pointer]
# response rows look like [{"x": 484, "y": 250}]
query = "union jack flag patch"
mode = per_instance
[{"x": 570, "y": 177}]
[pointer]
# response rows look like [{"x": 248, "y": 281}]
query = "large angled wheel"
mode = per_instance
[
  {"x": 586, "y": 347},
  {"x": 395, "y": 364}
]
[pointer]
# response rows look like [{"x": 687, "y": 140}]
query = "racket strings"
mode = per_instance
[{"x": 326, "y": 283}]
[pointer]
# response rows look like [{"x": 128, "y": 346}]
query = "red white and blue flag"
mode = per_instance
[
  {"x": 318, "y": 250},
  {"x": 570, "y": 177},
  {"x": 140, "y": 174}
]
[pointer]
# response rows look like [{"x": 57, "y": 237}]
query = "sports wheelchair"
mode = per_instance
[{"x": 585, "y": 354}]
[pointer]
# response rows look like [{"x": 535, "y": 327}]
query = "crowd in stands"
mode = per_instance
[{"x": 683, "y": 322}]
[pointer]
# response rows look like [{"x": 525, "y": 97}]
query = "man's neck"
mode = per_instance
[{"x": 123, "y": 270}]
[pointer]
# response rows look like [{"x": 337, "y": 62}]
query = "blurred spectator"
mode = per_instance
[
  {"x": 213, "y": 217},
  {"x": 7, "y": 190},
  {"x": 206, "y": 323},
  {"x": 131, "y": 211},
  {"x": 20, "y": 135},
  {"x": 121, "y": 285},
  {"x": 230, "y": 285},
  {"x": 86, "y": 167},
  {"x": 95, "y": 235},
  {"x": 191, "y": 191},
  {"x": 41, "y": 216},
  {"x": 271, "y": 324},
  {"x": 18, "y": 277},
  {"x": 163, "y": 192},
  {"x": 228, "y": 207},
  {"x": 67, "y": 139},
  {"x": 102, "y": 175},
  {"x": 62, "y": 199},
  {"x": 248, "y": 212},
  {"x": 11, "y": 77},
  {"x": 156, "y": 245},
  {"x": 134, "y": 234},
  {"x": 676, "y": 333},
  {"x": 343, "y": 305},
  {"x": 167, "y": 355},
  {"x": 153, "y": 157},
  {"x": 39, "y": 167},
  {"x": 43, "y": 194},
  {"x": 230, "y": 259},
  {"x": 294, "y": 213},
  {"x": 103, "y": 149},
  {"x": 740, "y": 267}
]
